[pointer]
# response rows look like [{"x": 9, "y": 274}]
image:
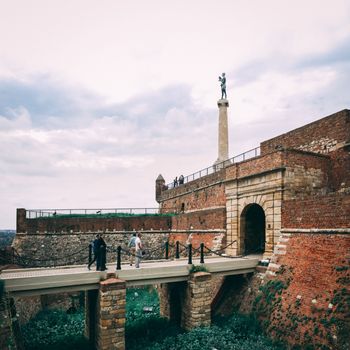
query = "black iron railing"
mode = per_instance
[
  {"x": 255, "y": 152},
  {"x": 39, "y": 213}
]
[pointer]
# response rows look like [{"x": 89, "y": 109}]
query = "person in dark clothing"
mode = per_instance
[
  {"x": 101, "y": 255},
  {"x": 181, "y": 180},
  {"x": 99, "y": 249}
]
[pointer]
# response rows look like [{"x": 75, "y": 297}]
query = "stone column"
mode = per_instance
[
  {"x": 196, "y": 309},
  {"x": 164, "y": 300},
  {"x": 110, "y": 320},
  {"x": 223, "y": 131}
]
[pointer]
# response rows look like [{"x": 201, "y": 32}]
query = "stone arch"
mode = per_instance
[{"x": 252, "y": 229}]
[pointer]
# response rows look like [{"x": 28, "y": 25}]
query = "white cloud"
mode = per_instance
[{"x": 97, "y": 99}]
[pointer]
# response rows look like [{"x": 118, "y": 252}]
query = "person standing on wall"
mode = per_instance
[
  {"x": 138, "y": 250},
  {"x": 132, "y": 248}
]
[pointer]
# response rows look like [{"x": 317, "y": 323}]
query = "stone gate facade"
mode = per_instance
[{"x": 308, "y": 162}]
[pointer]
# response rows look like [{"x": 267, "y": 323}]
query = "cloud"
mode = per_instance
[{"x": 93, "y": 108}]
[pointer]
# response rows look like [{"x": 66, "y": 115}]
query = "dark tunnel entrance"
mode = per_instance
[{"x": 253, "y": 229}]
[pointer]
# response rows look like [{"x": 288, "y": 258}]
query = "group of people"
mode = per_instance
[
  {"x": 179, "y": 181},
  {"x": 99, "y": 247}
]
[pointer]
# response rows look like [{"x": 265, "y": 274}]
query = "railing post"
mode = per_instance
[
  {"x": 189, "y": 247},
  {"x": 90, "y": 253},
  {"x": 167, "y": 250},
  {"x": 119, "y": 265},
  {"x": 177, "y": 254},
  {"x": 202, "y": 253}
]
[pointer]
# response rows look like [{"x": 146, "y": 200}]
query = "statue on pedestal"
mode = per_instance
[{"x": 223, "y": 86}]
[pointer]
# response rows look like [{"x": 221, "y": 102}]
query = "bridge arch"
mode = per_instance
[{"x": 252, "y": 229}]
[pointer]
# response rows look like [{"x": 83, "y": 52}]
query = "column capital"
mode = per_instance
[
  {"x": 112, "y": 284},
  {"x": 200, "y": 276},
  {"x": 223, "y": 103}
]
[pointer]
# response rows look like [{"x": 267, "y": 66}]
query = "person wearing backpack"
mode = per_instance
[{"x": 132, "y": 248}]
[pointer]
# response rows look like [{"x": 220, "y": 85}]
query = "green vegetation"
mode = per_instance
[
  {"x": 146, "y": 330},
  {"x": 55, "y": 330},
  {"x": 237, "y": 332},
  {"x": 198, "y": 268},
  {"x": 6, "y": 237},
  {"x": 2, "y": 289}
]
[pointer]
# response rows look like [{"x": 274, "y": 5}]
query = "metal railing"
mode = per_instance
[
  {"x": 39, "y": 213},
  {"x": 255, "y": 152}
]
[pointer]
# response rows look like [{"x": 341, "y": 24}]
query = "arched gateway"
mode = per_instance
[{"x": 253, "y": 229}]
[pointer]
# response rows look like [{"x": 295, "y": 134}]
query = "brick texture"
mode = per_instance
[
  {"x": 328, "y": 211},
  {"x": 314, "y": 305},
  {"x": 321, "y": 136}
]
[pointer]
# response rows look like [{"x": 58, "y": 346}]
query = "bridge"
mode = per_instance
[
  {"x": 38, "y": 281},
  {"x": 184, "y": 295}
]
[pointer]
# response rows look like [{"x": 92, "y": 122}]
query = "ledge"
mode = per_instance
[{"x": 337, "y": 231}]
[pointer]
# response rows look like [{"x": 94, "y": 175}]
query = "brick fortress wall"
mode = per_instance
[
  {"x": 322, "y": 136},
  {"x": 329, "y": 135},
  {"x": 65, "y": 241}
]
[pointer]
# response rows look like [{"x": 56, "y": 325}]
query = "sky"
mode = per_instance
[{"x": 97, "y": 98}]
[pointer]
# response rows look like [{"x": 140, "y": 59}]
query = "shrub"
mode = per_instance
[
  {"x": 198, "y": 268},
  {"x": 54, "y": 330}
]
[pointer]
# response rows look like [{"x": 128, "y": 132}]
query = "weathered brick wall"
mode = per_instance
[
  {"x": 322, "y": 212},
  {"x": 194, "y": 185},
  {"x": 321, "y": 136},
  {"x": 314, "y": 294},
  {"x": 306, "y": 173},
  {"x": 196, "y": 198},
  {"x": 82, "y": 224},
  {"x": 196, "y": 309},
  {"x": 213, "y": 240},
  {"x": 201, "y": 220},
  {"x": 206, "y": 192},
  {"x": 72, "y": 248},
  {"x": 255, "y": 166},
  {"x": 303, "y": 298},
  {"x": 340, "y": 166}
]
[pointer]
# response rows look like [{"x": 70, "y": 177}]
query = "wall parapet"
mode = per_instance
[{"x": 333, "y": 231}]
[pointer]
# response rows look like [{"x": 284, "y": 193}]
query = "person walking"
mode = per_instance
[
  {"x": 101, "y": 255},
  {"x": 99, "y": 249},
  {"x": 132, "y": 248},
  {"x": 138, "y": 250},
  {"x": 95, "y": 250}
]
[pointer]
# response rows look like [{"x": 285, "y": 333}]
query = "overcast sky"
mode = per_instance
[{"x": 97, "y": 98}]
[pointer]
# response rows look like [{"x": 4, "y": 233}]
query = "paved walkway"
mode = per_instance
[{"x": 34, "y": 281}]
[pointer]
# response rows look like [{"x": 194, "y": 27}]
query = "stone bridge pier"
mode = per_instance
[
  {"x": 105, "y": 315},
  {"x": 187, "y": 303}
]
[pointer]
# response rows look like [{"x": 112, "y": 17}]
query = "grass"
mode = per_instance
[{"x": 146, "y": 330}]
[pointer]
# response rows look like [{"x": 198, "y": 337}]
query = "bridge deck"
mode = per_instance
[{"x": 35, "y": 281}]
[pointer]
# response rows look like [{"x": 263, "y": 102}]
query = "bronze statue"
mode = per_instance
[{"x": 223, "y": 85}]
